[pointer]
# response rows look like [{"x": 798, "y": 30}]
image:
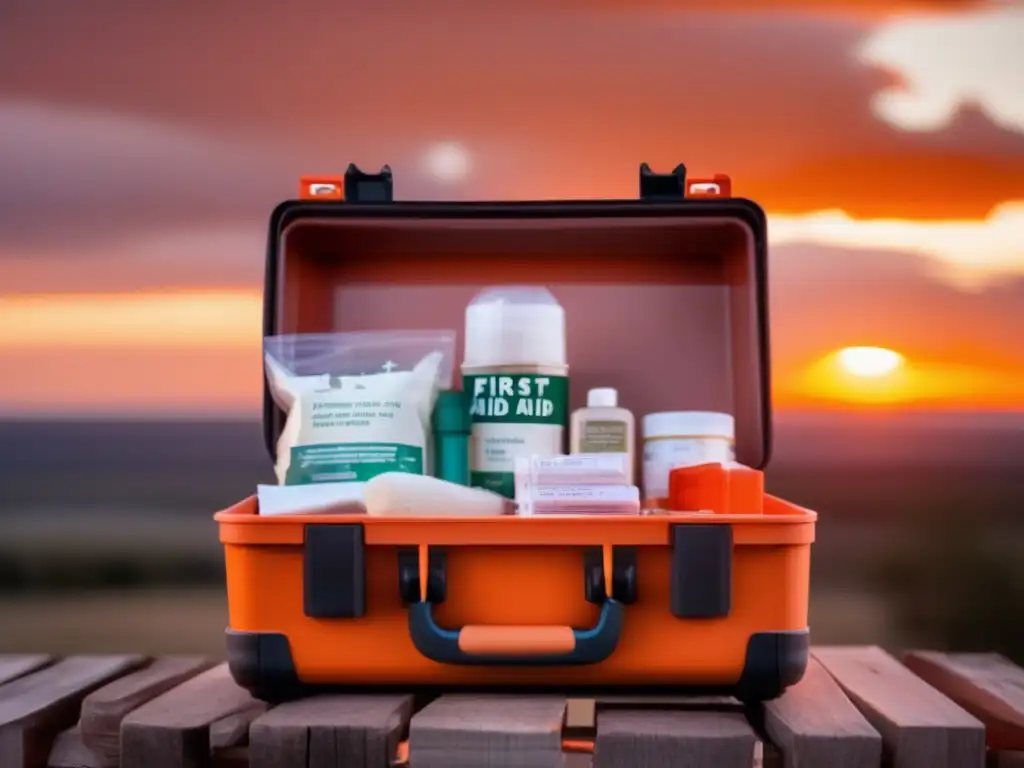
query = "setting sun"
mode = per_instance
[{"x": 869, "y": 362}]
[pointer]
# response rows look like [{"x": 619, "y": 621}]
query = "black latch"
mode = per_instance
[
  {"x": 662, "y": 186},
  {"x": 334, "y": 571},
  {"x": 701, "y": 571},
  {"x": 369, "y": 187}
]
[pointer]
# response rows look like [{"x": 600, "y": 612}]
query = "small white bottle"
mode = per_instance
[{"x": 604, "y": 427}]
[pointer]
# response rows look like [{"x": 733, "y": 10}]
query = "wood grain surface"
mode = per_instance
[
  {"x": 69, "y": 751},
  {"x": 104, "y": 709},
  {"x": 856, "y": 707},
  {"x": 920, "y": 727},
  {"x": 15, "y": 666},
  {"x": 460, "y": 731},
  {"x": 987, "y": 685},
  {"x": 674, "y": 739},
  {"x": 330, "y": 731},
  {"x": 173, "y": 730},
  {"x": 814, "y": 724},
  {"x": 35, "y": 708}
]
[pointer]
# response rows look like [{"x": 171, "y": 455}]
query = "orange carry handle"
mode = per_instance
[
  {"x": 515, "y": 644},
  {"x": 496, "y": 646},
  {"x": 516, "y": 641}
]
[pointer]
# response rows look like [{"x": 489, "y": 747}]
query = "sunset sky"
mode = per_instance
[{"x": 144, "y": 144}]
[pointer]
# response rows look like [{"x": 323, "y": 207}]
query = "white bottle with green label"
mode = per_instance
[{"x": 517, "y": 379}]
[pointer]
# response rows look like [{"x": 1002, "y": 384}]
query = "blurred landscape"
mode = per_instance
[{"x": 108, "y": 541}]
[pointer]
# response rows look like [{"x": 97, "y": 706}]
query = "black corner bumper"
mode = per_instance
[
  {"x": 261, "y": 662},
  {"x": 775, "y": 661}
]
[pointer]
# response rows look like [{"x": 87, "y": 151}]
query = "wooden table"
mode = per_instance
[{"x": 857, "y": 707}]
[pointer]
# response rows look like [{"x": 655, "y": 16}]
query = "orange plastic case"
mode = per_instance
[{"x": 665, "y": 299}]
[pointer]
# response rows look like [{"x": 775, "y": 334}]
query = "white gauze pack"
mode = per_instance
[{"x": 357, "y": 404}]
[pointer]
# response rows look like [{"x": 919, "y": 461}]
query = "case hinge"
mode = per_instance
[
  {"x": 719, "y": 185},
  {"x": 321, "y": 188}
]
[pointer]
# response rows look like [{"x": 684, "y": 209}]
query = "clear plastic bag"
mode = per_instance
[
  {"x": 360, "y": 353},
  {"x": 358, "y": 404}
]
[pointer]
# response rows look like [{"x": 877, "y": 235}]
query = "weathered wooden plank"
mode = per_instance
[
  {"x": 704, "y": 703},
  {"x": 920, "y": 727},
  {"x": 578, "y": 760},
  {"x": 488, "y": 730},
  {"x": 815, "y": 724},
  {"x": 233, "y": 730},
  {"x": 104, "y": 709},
  {"x": 35, "y": 708},
  {"x": 330, "y": 731},
  {"x": 1005, "y": 759},
  {"x": 13, "y": 666},
  {"x": 989, "y": 686},
  {"x": 770, "y": 757},
  {"x": 581, "y": 713},
  {"x": 69, "y": 751},
  {"x": 674, "y": 739},
  {"x": 173, "y": 730},
  {"x": 230, "y": 757}
]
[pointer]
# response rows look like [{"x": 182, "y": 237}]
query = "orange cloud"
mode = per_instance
[
  {"x": 969, "y": 254},
  {"x": 150, "y": 353},
  {"x": 195, "y": 320},
  {"x": 779, "y": 99}
]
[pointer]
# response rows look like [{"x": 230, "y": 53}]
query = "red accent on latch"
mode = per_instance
[
  {"x": 719, "y": 185},
  {"x": 321, "y": 188}
]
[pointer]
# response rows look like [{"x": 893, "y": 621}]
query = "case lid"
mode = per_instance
[{"x": 663, "y": 298}]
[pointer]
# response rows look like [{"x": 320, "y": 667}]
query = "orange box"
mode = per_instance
[
  {"x": 665, "y": 300},
  {"x": 716, "y": 488}
]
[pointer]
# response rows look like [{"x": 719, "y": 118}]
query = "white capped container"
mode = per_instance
[
  {"x": 603, "y": 427},
  {"x": 683, "y": 439},
  {"x": 516, "y": 376}
]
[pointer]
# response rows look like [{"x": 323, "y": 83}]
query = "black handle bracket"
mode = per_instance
[
  {"x": 624, "y": 589},
  {"x": 662, "y": 186},
  {"x": 363, "y": 187}
]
